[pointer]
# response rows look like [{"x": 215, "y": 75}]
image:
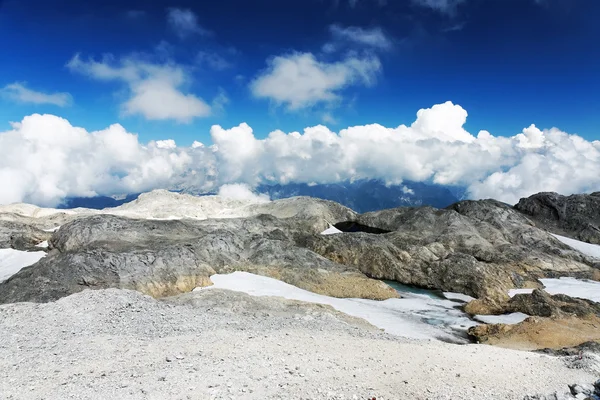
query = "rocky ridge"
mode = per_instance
[{"x": 164, "y": 244}]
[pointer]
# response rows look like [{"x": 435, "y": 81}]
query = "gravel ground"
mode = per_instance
[{"x": 220, "y": 344}]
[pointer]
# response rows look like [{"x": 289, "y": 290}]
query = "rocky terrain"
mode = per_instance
[
  {"x": 576, "y": 216},
  {"x": 216, "y": 344},
  {"x": 165, "y": 244}
]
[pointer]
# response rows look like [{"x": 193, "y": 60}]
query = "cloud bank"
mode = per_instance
[{"x": 44, "y": 159}]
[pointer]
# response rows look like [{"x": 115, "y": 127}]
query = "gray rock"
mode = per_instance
[
  {"x": 480, "y": 248},
  {"x": 586, "y": 390},
  {"x": 21, "y": 236},
  {"x": 577, "y": 216},
  {"x": 541, "y": 304}
]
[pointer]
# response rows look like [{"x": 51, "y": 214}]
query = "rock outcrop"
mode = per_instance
[
  {"x": 540, "y": 333},
  {"x": 541, "y": 304},
  {"x": 479, "y": 248},
  {"x": 164, "y": 258},
  {"x": 556, "y": 321},
  {"x": 21, "y": 236},
  {"x": 576, "y": 216}
]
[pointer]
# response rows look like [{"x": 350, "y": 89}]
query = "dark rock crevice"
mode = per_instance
[{"x": 353, "y": 226}]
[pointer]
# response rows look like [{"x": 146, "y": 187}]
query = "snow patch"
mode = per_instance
[
  {"x": 583, "y": 289},
  {"x": 417, "y": 316},
  {"x": 43, "y": 244},
  {"x": 592, "y": 250},
  {"x": 458, "y": 297},
  {"x": 12, "y": 261},
  {"x": 513, "y": 318},
  {"x": 514, "y": 292},
  {"x": 332, "y": 230},
  {"x": 52, "y": 229}
]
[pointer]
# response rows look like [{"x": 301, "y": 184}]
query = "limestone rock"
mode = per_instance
[
  {"x": 539, "y": 303},
  {"x": 577, "y": 216},
  {"x": 540, "y": 333}
]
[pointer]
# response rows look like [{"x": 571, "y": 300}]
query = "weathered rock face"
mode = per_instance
[
  {"x": 21, "y": 236},
  {"x": 577, "y": 216},
  {"x": 480, "y": 248},
  {"x": 540, "y": 333},
  {"x": 556, "y": 321},
  {"x": 164, "y": 258},
  {"x": 541, "y": 304}
]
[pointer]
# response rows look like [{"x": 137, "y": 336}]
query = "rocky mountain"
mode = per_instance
[{"x": 577, "y": 216}]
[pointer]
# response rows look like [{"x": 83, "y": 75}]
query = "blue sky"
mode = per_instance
[{"x": 509, "y": 63}]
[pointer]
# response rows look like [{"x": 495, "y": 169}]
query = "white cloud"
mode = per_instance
[
  {"x": 18, "y": 92},
  {"x": 154, "y": 89},
  {"x": 44, "y": 158},
  {"x": 328, "y": 118},
  {"x": 220, "y": 101},
  {"x": 373, "y": 37},
  {"x": 213, "y": 60},
  {"x": 168, "y": 144},
  {"x": 185, "y": 23},
  {"x": 299, "y": 80},
  {"x": 238, "y": 191},
  {"x": 442, "y": 6},
  {"x": 407, "y": 190}
]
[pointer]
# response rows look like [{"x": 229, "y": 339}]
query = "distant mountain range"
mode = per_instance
[
  {"x": 370, "y": 195},
  {"x": 361, "y": 196}
]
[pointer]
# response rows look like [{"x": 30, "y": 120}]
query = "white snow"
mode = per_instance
[
  {"x": 418, "y": 316},
  {"x": 332, "y": 230},
  {"x": 513, "y": 318},
  {"x": 52, "y": 229},
  {"x": 12, "y": 261},
  {"x": 458, "y": 296},
  {"x": 573, "y": 287},
  {"x": 514, "y": 292},
  {"x": 583, "y": 289},
  {"x": 592, "y": 250},
  {"x": 43, "y": 244}
]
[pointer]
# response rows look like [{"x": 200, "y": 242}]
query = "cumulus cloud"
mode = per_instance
[
  {"x": 44, "y": 158},
  {"x": 185, "y": 23},
  {"x": 370, "y": 37},
  {"x": 240, "y": 191},
  {"x": 154, "y": 89},
  {"x": 18, "y": 92},
  {"x": 299, "y": 80}
]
